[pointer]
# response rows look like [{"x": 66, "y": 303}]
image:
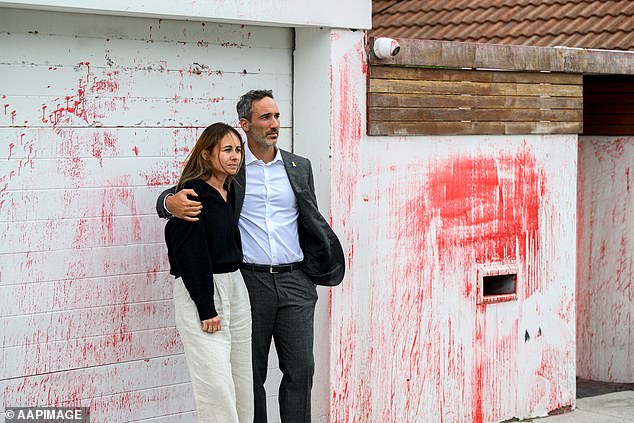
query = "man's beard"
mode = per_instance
[{"x": 263, "y": 140}]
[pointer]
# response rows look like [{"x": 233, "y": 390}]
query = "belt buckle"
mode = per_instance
[{"x": 271, "y": 271}]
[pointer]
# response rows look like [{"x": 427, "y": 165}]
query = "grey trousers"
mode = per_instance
[{"x": 283, "y": 308}]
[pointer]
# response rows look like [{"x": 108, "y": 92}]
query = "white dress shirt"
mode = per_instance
[{"x": 268, "y": 220}]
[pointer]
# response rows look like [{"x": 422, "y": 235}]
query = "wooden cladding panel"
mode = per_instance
[
  {"x": 430, "y": 100},
  {"x": 393, "y": 72},
  {"x": 424, "y": 101},
  {"x": 470, "y": 128},
  {"x": 608, "y": 105},
  {"x": 477, "y": 115},
  {"x": 451, "y": 54}
]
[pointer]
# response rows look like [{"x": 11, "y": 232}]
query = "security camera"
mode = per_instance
[{"x": 386, "y": 47}]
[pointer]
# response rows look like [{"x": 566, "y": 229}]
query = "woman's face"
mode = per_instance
[{"x": 225, "y": 157}]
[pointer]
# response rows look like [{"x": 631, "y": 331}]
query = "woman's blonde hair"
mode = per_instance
[{"x": 196, "y": 166}]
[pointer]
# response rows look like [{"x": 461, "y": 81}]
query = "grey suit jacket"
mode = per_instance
[{"x": 324, "y": 261}]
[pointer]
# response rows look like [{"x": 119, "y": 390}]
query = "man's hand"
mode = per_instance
[
  {"x": 182, "y": 207},
  {"x": 212, "y": 325}
]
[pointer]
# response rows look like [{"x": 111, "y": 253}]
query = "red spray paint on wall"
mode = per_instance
[
  {"x": 118, "y": 192},
  {"x": 488, "y": 207},
  {"x": 103, "y": 142},
  {"x": 486, "y": 210},
  {"x": 463, "y": 211},
  {"x": 605, "y": 259},
  {"x": 346, "y": 135}
]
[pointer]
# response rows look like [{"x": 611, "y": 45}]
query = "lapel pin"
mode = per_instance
[{"x": 293, "y": 164}]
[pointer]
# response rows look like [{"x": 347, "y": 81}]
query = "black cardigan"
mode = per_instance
[{"x": 197, "y": 250}]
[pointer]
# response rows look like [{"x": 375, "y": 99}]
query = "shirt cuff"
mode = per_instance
[{"x": 169, "y": 213}]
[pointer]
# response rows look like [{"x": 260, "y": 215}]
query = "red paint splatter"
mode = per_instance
[
  {"x": 136, "y": 150},
  {"x": 75, "y": 105},
  {"x": 11, "y": 145},
  {"x": 96, "y": 152},
  {"x": 83, "y": 230},
  {"x": 344, "y": 390},
  {"x": 605, "y": 266},
  {"x": 478, "y": 367},
  {"x": 108, "y": 85},
  {"x": 495, "y": 368},
  {"x": 349, "y": 128},
  {"x": 72, "y": 167},
  {"x": 13, "y": 113},
  {"x": 108, "y": 140},
  {"x": 482, "y": 209},
  {"x": 486, "y": 206},
  {"x": 161, "y": 177},
  {"x": 118, "y": 192},
  {"x": 364, "y": 59},
  {"x": 103, "y": 142},
  {"x": 350, "y": 398},
  {"x": 182, "y": 140}
]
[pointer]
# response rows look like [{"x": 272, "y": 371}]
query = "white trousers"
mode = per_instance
[{"x": 219, "y": 363}]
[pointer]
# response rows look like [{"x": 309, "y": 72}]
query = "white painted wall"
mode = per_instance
[
  {"x": 605, "y": 285},
  {"x": 311, "y": 138},
  {"x": 97, "y": 114},
  {"x": 330, "y": 13},
  {"x": 418, "y": 216}
]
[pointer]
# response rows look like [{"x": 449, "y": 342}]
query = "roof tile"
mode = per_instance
[{"x": 574, "y": 23}]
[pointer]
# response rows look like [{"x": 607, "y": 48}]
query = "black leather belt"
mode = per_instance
[{"x": 272, "y": 268}]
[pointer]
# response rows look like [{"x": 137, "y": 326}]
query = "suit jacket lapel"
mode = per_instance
[{"x": 292, "y": 170}]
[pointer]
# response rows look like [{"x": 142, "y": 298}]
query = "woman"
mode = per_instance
[{"x": 213, "y": 316}]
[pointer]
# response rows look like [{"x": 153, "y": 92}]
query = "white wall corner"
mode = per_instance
[
  {"x": 311, "y": 138},
  {"x": 311, "y": 106},
  {"x": 322, "y": 56}
]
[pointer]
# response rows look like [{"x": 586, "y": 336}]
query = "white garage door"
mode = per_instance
[{"x": 97, "y": 114}]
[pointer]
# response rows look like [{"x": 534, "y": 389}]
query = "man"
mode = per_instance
[{"x": 288, "y": 248}]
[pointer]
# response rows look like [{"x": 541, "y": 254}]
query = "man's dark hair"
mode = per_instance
[{"x": 245, "y": 102}]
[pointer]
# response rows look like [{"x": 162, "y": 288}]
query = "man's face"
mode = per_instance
[{"x": 264, "y": 126}]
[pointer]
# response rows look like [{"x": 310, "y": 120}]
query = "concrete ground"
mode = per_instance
[{"x": 598, "y": 402}]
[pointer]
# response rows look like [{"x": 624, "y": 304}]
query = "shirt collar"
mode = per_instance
[{"x": 250, "y": 158}]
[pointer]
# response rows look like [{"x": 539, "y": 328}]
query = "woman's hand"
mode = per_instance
[
  {"x": 212, "y": 325},
  {"x": 182, "y": 207}
]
